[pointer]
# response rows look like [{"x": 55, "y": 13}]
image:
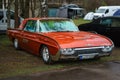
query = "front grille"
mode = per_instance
[
  {"x": 95, "y": 17},
  {"x": 87, "y": 51}
]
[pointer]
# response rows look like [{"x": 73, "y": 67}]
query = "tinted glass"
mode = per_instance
[
  {"x": 11, "y": 14},
  {"x": 30, "y": 26},
  {"x": 1, "y": 15},
  {"x": 115, "y": 23},
  {"x": 106, "y": 22}
]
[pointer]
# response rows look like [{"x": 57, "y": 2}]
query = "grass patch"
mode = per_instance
[
  {"x": 80, "y": 21},
  {"x": 4, "y": 40},
  {"x": 28, "y": 69}
]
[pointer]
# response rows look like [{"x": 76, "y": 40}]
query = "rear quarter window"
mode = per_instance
[
  {"x": 106, "y": 22},
  {"x": 30, "y": 26}
]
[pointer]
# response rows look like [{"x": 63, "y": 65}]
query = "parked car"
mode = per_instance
[
  {"x": 107, "y": 26},
  {"x": 4, "y": 18},
  {"x": 104, "y": 11},
  {"x": 58, "y": 38}
]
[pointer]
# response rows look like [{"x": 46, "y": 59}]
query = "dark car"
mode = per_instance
[{"x": 108, "y": 26}]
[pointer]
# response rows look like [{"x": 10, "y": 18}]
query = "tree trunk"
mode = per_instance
[
  {"x": 22, "y": 8},
  {"x": 8, "y": 16},
  {"x": 16, "y": 14},
  {"x": 27, "y": 8},
  {"x": 33, "y": 7}
]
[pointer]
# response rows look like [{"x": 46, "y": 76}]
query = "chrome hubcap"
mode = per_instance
[
  {"x": 16, "y": 43},
  {"x": 45, "y": 54}
]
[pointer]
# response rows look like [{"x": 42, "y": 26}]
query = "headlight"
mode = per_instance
[
  {"x": 67, "y": 51},
  {"x": 107, "y": 48}
]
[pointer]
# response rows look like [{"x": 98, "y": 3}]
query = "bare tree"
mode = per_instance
[
  {"x": 24, "y": 8},
  {"x": 40, "y": 8},
  {"x": 33, "y": 7},
  {"x": 27, "y": 8},
  {"x": 8, "y": 16},
  {"x": 113, "y": 2},
  {"x": 16, "y": 14}
]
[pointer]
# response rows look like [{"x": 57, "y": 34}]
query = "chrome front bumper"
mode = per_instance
[
  {"x": 87, "y": 53},
  {"x": 84, "y": 56},
  {"x": 83, "y": 53}
]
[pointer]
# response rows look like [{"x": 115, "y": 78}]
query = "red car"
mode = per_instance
[{"x": 58, "y": 38}]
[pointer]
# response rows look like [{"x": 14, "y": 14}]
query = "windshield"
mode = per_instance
[
  {"x": 101, "y": 11},
  {"x": 57, "y": 26}
]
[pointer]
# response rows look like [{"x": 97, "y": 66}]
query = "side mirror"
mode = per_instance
[{"x": 106, "y": 11}]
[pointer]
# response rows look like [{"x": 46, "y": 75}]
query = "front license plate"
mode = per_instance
[{"x": 87, "y": 56}]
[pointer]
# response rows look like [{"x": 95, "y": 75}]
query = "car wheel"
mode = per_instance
[
  {"x": 16, "y": 44},
  {"x": 46, "y": 55}
]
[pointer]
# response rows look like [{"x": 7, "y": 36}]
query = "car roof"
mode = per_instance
[
  {"x": 109, "y": 7},
  {"x": 115, "y": 17}
]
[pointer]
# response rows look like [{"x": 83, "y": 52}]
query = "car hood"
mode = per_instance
[{"x": 78, "y": 39}]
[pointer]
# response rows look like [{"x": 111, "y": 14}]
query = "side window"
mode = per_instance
[
  {"x": 106, "y": 22},
  {"x": 11, "y": 15},
  {"x": 1, "y": 15},
  {"x": 30, "y": 26}
]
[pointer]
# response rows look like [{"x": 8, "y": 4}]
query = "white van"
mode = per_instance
[
  {"x": 3, "y": 20},
  {"x": 104, "y": 11}
]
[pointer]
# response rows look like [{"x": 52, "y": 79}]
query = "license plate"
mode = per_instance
[{"x": 87, "y": 56}]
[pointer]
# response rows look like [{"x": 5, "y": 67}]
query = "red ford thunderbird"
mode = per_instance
[{"x": 58, "y": 38}]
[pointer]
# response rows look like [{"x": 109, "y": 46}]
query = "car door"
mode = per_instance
[
  {"x": 105, "y": 28},
  {"x": 92, "y": 26},
  {"x": 30, "y": 41},
  {"x": 96, "y": 26},
  {"x": 115, "y": 30}
]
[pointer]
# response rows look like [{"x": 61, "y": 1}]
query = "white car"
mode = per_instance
[{"x": 3, "y": 20}]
